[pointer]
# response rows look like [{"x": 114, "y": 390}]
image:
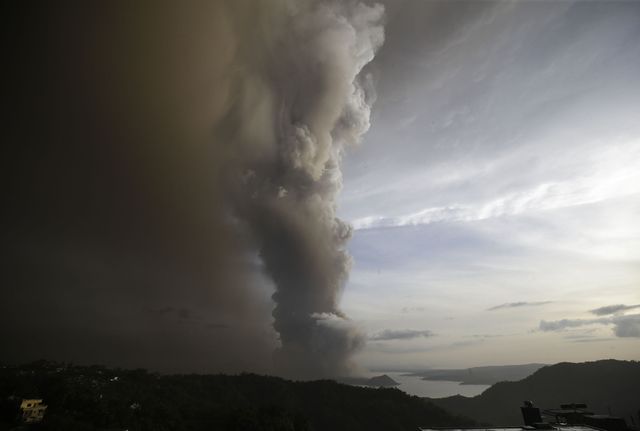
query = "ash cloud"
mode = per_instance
[
  {"x": 189, "y": 161},
  {"x": 117, "y": 194},
  {"x": 401, "y": 334},
  {"x": 317, "y": 103},
  {"x": 179, "y": 313}
]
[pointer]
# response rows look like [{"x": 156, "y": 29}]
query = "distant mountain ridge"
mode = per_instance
[
  {"x": 605, "y": 386},
  {"x": 488, "y": 375}
]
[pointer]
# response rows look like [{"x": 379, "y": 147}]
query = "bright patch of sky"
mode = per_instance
[{"x": 499, "y": 185}]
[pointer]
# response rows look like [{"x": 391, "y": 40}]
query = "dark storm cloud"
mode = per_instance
[
  {"x": 518, "y": 304},
  {"x": 185, "y": 158},
  {"x": 613, "y": 309},
  {"x": 401, "y": 334}
]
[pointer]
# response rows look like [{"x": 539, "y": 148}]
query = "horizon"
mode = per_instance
[{"x": 369, "y": 373}]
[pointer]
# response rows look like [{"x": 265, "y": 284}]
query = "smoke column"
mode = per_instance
[
  {"x": 308, "y": 103},
  {"x": 167, "y": 160}
]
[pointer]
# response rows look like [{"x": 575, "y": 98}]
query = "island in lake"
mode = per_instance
[{"x": 382, "y": 381}]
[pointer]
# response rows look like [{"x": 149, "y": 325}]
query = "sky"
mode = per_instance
[
  {"x": 314, "y": 188},
  {"x": 496, "y": 197}
]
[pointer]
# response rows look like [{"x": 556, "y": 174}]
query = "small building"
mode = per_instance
[{"x": 32, "y": 410}]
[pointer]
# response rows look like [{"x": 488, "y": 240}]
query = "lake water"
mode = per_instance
[{"x": 414, "y": 385}]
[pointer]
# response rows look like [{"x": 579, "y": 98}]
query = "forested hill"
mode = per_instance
[
  {"x": 605, "y": 386},
  {"x": 98, "y": 398}
]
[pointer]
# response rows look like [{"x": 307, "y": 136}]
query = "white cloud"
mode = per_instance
[{"x": 611, "y": 174}]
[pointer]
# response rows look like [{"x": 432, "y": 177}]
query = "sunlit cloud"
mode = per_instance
[{"x": 610, "y": 178}]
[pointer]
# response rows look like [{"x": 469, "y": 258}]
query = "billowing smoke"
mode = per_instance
[
  {"x": 167, "y": 160},
  {"x": 313, "y": 102}
]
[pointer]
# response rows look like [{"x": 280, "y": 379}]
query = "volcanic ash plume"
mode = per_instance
[
  {"x": 307, "y": 103},
  {"x": 171, "y": 154}
]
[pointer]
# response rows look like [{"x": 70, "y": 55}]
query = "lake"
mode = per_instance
[{"x": 414, "y": 385}]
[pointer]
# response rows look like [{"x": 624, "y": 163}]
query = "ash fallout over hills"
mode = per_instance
[{"x": 171, "y": 166}]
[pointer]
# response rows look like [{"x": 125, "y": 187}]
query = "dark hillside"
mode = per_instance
[
  {"x": 98, "y": 398},
  {"x": 607, "y": 385}
]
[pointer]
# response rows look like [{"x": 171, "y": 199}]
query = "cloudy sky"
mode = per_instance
[
  {"x": 496, "y": 197},
  {"x": 172, "y": 175}
]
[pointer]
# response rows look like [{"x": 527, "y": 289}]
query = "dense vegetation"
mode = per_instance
[
  {"x": 98, "y": 398},
  {"x": 605, "y": 386}
]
